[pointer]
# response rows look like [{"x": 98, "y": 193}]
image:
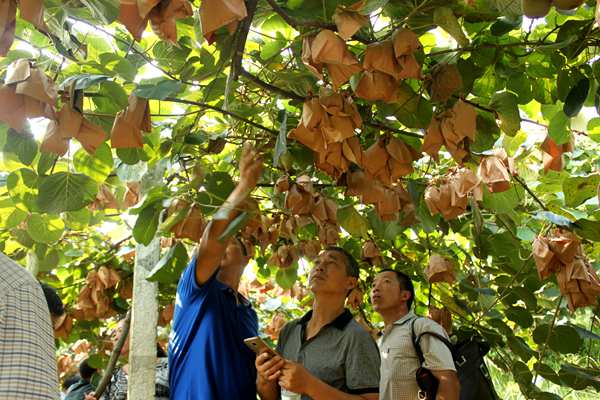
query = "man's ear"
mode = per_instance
[
  {"x": 351, "y": 283},
  {"x": 405, "y": 295}
]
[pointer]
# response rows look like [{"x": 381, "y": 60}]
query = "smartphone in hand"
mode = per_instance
[{"x": 259, "y": 346}]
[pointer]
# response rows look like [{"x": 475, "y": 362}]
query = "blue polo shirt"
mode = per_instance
[{"x": 208, "y": 359}]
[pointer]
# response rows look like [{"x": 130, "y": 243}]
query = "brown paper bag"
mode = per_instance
[{"x": 215, "y": 14}]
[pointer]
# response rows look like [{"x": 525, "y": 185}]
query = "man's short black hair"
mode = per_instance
[
  {"x": 86, "y": 371},
  {"x": 405, "y": 284},
  {"x": 352, "y": 268},
  {"x": 70, "y": 381},
  {"x": 55, "y": 304}
]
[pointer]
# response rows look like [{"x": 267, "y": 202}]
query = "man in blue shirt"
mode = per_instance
[{"x": 208, "y": 359}]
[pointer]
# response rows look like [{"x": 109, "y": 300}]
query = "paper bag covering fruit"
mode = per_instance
[
  {"x": 328, "y": 50},
  {"x": 442, "y": 316},
  {"x": 327, "y": 127},
  {"x": 8, "y": 23},
  {"x": 310, "y": 249},
  {"x": 129, "y": 124},
  {"x": 370, "y": 253},
  {"x": 104, "y": 199},
  {"x": 406, "y": 44},
  {"x": 31, "y": 10},
  {"x": 561, "y": 253},
  {"x": 552, "y": 154},
  {"x": 215, "y": 14},
  {"x": 389, "y": 202},
  {"x": 386, "y": 63},
  {"x": 448, "y": 196},
  {"x": 93, "y": 301},
  {"x": 190, "y": 222},
  {"x": 299, "y": 199},
  {"x": 27, "y": 93},
  {"x": 284, "y": 257},
  {"x": 440, "y": 269},
  {"x": 496, "y": 171},
  {"x": 70, "y": 123},
  {"x": 349, "y": 20},
  {"x": 162, "y": 14},
  {"x": 389, "y": 159},
  {"x": 445, "y": 81},
  {"x": 453, "y": 129}
]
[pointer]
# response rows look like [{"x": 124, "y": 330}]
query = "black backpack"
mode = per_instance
[{"x": 475, "y": 380}]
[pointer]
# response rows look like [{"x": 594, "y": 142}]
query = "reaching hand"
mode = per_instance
[
  {"x": 250, "y": 166},
  {"x": 90, "y": 396}
]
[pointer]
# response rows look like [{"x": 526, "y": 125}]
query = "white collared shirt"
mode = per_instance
[{"x": 399, "y": 360}]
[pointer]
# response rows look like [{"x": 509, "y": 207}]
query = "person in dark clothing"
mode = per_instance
[
  {"x": 55, "y": 305},
  {"x": 83, "y": 386}
]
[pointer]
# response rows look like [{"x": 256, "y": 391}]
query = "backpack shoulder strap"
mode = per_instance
[
  {"x": 415, "y": 341},
  {"x": 438, "y": 337}
]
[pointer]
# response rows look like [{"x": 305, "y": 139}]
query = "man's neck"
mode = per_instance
[
  {"x": 325, "y": 309},
  {"x": 229, "y": 279},
  {"x": 393, "y": 315}
]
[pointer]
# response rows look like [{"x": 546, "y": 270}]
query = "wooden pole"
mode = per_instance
[{"x": 144, "y": 316}]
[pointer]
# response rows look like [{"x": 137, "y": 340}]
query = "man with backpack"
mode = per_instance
[{"x": 392, "y": 296}]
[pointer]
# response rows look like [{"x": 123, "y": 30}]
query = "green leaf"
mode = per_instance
[
  {"x": 578, "y": 189},
  {"x": 146, "y": 224},
  {"x": 170, "y": 266},
  {"x": 521, "y": 373},
  {"x": 15, "y": 218},
  {"x": 579, "y": 378},
  {"x": 506, "y": 105},
  {"x": 502, "y": 202},
  {"x": 518, "y": 346},
  {"x": 588, "y": 229},
  {"x": 519, "y": 315},
  {"x": 234, "y": 226},
  {"x": 46, "y": 162},
  {"x": 49, "y": 261},
  {"x": 558, "y": 129},
  {"x": 352, "y": 222},
  {"x": 370, "y": 6},
  {"x": 576, "y": 98},
  {"x": 593, "y": 129},
  {"x": 563, "y": 339},
  {"x": 22, "y": 187},
  {"x": 105, "y": 11},
  {"x": 22, "y": 144},
  {"x": 158, "y": 89},
  {"x": 218, "y": 186},
  {"x": 444, "y": 17},
  {"x": 97, "y": 166},
  {"x": 281, "y": 143},
  {"x": 286, "y": 277},
  {"x": 96, "y": 361},
  {"x": 83, "y": 81},
  {"x": 272, "y": 48},
  {"x": 45, "y": 228},
  {"x": 521, "y": 86},
  {"x": 65, "y": 191}
]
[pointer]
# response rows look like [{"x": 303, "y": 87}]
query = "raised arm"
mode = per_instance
[{"x": 210, "y": 248}]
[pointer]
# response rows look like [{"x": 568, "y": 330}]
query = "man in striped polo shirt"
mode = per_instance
[{"x": 27, "y": 354}]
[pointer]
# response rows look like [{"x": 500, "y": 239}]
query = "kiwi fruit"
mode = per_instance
[
  {"x": 536, "y": 8},
  {"x": 567, "y": 4}
]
